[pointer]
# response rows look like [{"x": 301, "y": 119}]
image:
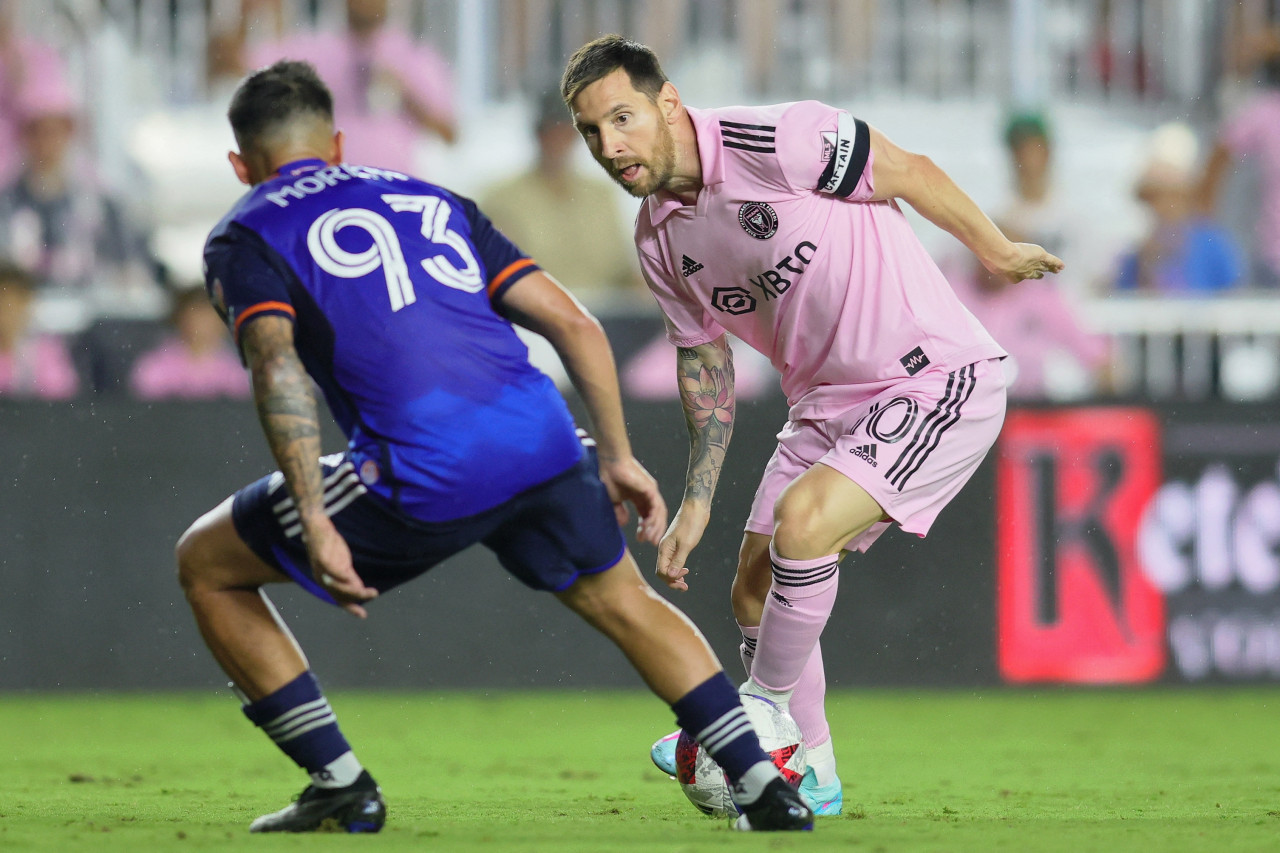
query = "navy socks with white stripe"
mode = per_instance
[
  {"x": 298, "y": 718},
  {"x": 712, "y": 713}
]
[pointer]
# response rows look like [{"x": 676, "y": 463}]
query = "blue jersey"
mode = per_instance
[{"x": 391, "y": 283}]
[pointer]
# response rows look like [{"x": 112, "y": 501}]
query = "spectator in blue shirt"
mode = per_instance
[{"x": 1184, "y": 252}]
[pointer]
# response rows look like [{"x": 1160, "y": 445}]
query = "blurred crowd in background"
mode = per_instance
[{"x": 1087, "y": 126}]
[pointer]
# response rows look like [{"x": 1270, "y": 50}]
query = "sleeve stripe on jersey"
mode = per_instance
[
  {"x": 852, "y": 148},
  {"x": 254, "y": 310},
  {"x": 765, "y": 138},
  {"x": 733, "y": 135},
  {"x": 755, "y": 148},
  {"x": 511, "y": 269}
]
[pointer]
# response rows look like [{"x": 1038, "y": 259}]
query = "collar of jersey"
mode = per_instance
[
  {"x": 710, "y": 152},
  {"x": 298, "y": 167}
]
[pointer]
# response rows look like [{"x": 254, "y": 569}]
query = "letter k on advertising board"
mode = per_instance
[{"x": 1073, "y": 604}]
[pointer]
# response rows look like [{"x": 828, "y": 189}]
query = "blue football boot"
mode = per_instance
[
  {"x": 663, "y": 753},
  {"x": 823, "y": 799}
]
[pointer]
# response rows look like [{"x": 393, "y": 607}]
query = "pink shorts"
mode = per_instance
[{"x": 912, "y": 447}]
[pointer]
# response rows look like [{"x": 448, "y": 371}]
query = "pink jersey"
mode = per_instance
[
  {"x": 39, "y": 367},
  {"x": 784, "y": 250},
  {"x": 171, "y": 371}
]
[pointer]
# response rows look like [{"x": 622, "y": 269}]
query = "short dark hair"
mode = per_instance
[
  {"x": 271, "y": 97},
  {"x": 1023, "y": 126},
  {"x": 600, "y": 58}
]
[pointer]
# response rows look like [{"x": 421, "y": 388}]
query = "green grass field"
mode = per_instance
[{"x": 1164, "y": 770}]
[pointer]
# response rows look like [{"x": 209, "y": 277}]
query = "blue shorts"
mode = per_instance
[{"x": 546, "y": 537}]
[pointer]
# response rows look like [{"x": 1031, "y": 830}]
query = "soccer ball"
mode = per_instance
[{"x": 705, "y": 784}]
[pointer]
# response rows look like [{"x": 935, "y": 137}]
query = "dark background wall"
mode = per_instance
[{"x": 95, "y": 494}]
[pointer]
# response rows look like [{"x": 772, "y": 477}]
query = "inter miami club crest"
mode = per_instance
[{"x": 758, "y": 220}]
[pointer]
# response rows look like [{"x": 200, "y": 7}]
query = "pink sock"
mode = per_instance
[
  {"x": 808, "y": 704},
  {"x": 796, "y": 611}
]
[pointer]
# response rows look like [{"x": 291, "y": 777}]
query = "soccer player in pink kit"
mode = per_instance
[{"x": 780, "y": 225}]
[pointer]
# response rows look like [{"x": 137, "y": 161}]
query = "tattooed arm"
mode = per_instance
[
  {"x": 287, "y": 410},
  {"x": 705, "y": 375}
]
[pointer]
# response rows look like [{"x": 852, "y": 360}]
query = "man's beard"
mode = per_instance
[{"x": 659, "y": 168}]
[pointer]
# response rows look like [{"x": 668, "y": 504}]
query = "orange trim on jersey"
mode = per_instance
[
  {"x": 511, "y": 270},
  {"x": 264, "y": 306}
]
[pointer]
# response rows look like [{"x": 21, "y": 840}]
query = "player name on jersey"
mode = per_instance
[{"x": 320, "y": 180}]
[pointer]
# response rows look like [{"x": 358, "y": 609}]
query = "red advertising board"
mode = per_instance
[{"x": 1073, "y": 604}]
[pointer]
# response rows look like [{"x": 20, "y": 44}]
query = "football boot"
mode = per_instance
[
  {"x": 823, "y": 799},
  {"x": 663, "y": 753},
  {"x": 779, "y": 808},
  {"x": 356, "y": 808}
]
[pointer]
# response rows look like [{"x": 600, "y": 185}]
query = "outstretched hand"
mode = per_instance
[
  {"x": 333, "y": 569},
  {"x": 629, "y": 483},
  {"x": 683, "y": 536},
  {"x": 1027, "y": 261}
]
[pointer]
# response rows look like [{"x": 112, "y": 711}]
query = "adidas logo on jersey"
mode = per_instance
[
  {"x": 867, "y": 453},
  {"x": 688, "y": 266}
]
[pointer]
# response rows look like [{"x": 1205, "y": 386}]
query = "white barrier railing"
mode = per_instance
[{"x": 1194, "y": 348}]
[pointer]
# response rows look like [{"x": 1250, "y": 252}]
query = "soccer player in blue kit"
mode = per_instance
[{"x": 397, "y": 298}]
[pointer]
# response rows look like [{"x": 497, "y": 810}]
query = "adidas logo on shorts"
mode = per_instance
[{"x": 867, "y": 453}]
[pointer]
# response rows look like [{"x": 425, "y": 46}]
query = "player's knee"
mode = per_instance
[
  {"x": 188, "y": 556},
  {"x": 198, "y": 557},
  {"x": 797, "y": 528}
]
